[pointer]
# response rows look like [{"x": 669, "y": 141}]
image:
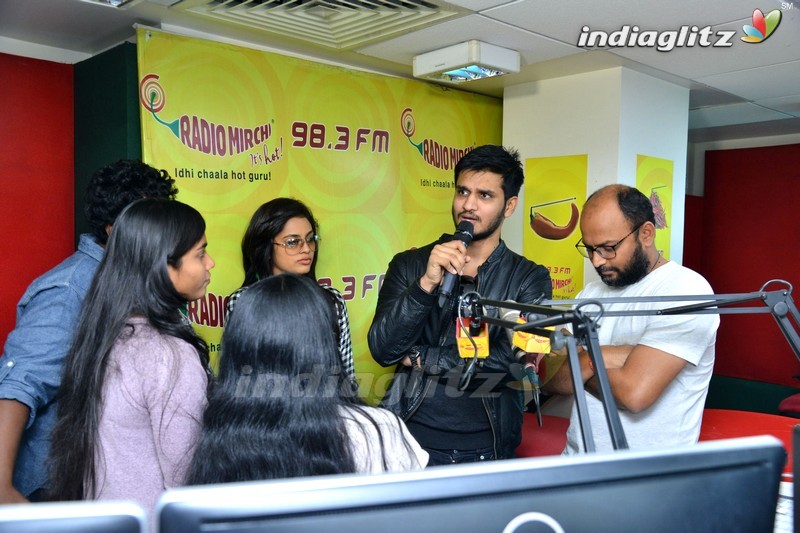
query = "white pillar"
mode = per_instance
[{"x": 612, "y": 115}]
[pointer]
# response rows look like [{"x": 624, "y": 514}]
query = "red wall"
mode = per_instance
[
  {"x": 693, "y": 233},
  {"x": 36, "y": 174},
  {"x": 751, "y": 234}
]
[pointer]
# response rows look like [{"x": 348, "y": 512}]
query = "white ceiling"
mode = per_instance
[{"x": 746, "y": 90}]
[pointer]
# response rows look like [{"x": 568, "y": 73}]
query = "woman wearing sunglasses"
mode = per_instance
[{"x": 282, "y": 239}]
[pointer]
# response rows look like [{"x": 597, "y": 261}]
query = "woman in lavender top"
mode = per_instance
[{"x": 135, "y": 378}]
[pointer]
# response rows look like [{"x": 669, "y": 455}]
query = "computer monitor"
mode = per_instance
[
  {"x": 69, "y": 517},
  {"x": 726, "y": 485}
]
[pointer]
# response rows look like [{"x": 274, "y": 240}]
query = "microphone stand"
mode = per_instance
[
  {"x": 779, "y": 303},
  {"x": 584, "y": 328}
]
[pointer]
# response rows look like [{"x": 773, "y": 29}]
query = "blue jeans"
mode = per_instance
[{"x": 451, "y": 457}]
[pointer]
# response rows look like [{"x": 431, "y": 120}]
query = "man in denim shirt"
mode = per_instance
[{"x": 30, "y": 367}]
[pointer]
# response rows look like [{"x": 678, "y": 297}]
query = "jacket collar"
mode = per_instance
[
  {"x": 88, "y": 244},
  {"x": 497, "y": 253}
]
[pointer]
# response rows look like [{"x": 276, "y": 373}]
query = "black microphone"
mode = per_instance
[{"x": 464, "y": 234}]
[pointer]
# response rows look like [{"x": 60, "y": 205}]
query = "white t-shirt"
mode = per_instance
[
  {"x": 394, "y": 443},
  {"x": 674, "y": 419}
]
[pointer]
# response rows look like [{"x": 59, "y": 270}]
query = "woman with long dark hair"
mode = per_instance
[
  {"x": 135, "y": 378},
  {"x": 282, "y": 238},
  {"x": 281, "y": 408}
]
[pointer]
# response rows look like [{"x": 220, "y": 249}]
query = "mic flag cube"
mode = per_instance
[
  {"x": 530, "y": 343},
  {"x": 465, "y": 348}
]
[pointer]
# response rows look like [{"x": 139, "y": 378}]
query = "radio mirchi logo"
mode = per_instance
[{"x": 762, "y": 27}]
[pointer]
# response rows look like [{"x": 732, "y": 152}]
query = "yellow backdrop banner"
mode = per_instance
[
  {"x": 654, "y": 178},
  {"x": 555, "y": 188},
  {"x": 371, "y": 155}
]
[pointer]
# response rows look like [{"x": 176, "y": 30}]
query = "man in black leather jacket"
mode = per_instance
[{"x": 412, "y": 331}]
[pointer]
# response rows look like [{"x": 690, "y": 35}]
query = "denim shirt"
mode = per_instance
[{"x": 31, "y": 364}]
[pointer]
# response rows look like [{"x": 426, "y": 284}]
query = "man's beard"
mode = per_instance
[
  {"x": 636, "y": 269},
  {"x": 495, "y": 223}
]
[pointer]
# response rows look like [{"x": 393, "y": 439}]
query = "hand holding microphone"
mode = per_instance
[
  {"x": 464, "y": 234},
  {"x": 447, "y": 257}
]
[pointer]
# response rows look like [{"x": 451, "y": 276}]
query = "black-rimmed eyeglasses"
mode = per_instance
[
  {"x": 294, "y": 245},
  {"x": 607, "y": 251}
]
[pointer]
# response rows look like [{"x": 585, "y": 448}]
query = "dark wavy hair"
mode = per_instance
[
  {"x": 265, "y": 224},
  {"x": 113, "y": 187},
  {"x": 257, "y": 244},
  {"x": 132, "y": 279},
  {"x": 497, "y": 159},
  {"x": 276, "y": 410}
]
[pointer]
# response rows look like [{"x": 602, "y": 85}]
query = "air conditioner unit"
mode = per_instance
[{"x": 470, "y": 60}]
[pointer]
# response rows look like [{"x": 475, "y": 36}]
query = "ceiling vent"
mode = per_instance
[{"x": 340, "y": 24}]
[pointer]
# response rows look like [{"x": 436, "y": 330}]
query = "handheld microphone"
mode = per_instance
[{"x": 464, "y": 234}]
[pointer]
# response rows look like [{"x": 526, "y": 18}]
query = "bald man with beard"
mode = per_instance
[{"x": 659, "y": 367}]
